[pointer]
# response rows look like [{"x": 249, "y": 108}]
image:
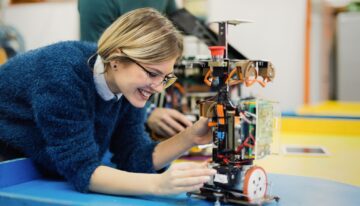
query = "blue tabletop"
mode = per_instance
[{"x": 32, "y": 189}]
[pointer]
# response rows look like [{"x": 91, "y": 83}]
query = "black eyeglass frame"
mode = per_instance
[{"x": 166, "y": 82}]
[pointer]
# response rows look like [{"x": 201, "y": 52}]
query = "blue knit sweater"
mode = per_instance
[{"x": 51, "y": 111}]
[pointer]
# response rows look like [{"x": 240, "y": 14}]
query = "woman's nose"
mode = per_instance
[{"x": 157, "y": 88}]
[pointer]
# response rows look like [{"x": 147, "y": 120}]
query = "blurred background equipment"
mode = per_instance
[
  {"x": 11, "y": 41},
  {"x": 191, "y": 25},
  {"x": 26, "y": 1}
]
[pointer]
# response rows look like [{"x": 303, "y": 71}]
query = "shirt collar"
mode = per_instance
[{"x": 100, "y": 83}]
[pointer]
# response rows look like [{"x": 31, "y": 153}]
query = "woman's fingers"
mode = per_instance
[
  {"x": 188, "y": 165},
  {"x": 179, "y": 117},
  {"x": 206, "y": 162},
  {"x": 169, "y": 131},
  {"x": 186, "y": 177},
  {"x": 173, "y": 124},
  {"x": 190, "y": 181},
  {"x": 194, "y": 173},
  {"x": 189, "y": 174},
  {"x": 189, "y": 188}
]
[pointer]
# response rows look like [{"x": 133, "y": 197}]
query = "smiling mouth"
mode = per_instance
[{"x": 145, "y": 93}]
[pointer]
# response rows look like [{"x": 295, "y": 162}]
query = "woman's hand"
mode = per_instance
[
  {"x": 170, "y": 149},
  {"x": 167, "y": 122},
  {"x": 200, "y": 132},
  {"x": 183, "y": 177}
]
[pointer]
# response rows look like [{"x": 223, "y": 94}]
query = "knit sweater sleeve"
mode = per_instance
[
  {"x": 61, "y": 108},
  {"x": 131, "y": 145}
]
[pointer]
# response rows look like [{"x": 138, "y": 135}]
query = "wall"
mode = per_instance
[
  {"x": 44, "y": 23},
  {"x": 348, "y": 49}
]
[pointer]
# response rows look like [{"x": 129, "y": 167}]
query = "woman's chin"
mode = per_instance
[
  {"x": 137, "y": 103},
  {"x": 137, "y": 99}
]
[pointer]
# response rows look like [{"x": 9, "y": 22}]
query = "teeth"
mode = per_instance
[{"x": 145, "y": 93}]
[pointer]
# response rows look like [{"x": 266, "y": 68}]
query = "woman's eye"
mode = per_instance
[{"x": 152, "y": 74}]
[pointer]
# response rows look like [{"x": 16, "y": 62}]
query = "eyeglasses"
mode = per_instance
[{"x": 166, "y": 81}]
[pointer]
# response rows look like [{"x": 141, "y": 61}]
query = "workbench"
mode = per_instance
[{"x": 22, "y": 184}]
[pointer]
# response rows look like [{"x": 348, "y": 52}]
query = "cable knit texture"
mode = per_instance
[{"x": 50, "y": 111}]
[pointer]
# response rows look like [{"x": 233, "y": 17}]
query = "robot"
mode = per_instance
[{"x": 241, "y": 133}]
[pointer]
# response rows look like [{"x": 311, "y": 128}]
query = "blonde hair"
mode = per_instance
[{"x": 144, "y": 35}]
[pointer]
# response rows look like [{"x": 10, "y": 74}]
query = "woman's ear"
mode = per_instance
[{"x": 113, "y": 65}]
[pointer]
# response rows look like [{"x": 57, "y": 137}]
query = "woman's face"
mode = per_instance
[{"x": 138, "y": 81}]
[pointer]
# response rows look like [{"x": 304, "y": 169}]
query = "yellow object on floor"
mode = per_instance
[
  {"x": 320, "y": 126},
  {"x": 332, "y": 108},
  {"x": 327, "y": 118},
  {"x": 3, "y": 56}
]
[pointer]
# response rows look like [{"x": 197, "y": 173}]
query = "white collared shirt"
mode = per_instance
[{"x": 100, "y": 83}]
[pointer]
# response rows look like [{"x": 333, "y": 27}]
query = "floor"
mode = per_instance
[
  {"x": 341, "y": 164},
  {"x": 334, "y": 126}
]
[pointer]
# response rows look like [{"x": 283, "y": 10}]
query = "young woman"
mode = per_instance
[
  {"x": 65, "y": 104},
  {"x": 96, "y": 16}
]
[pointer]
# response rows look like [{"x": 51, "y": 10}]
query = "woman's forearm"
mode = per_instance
[
  {"x": 112, "y": 181},
  {"x": 170, "y": 149},
  {"x": 181, "y": 177}
]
